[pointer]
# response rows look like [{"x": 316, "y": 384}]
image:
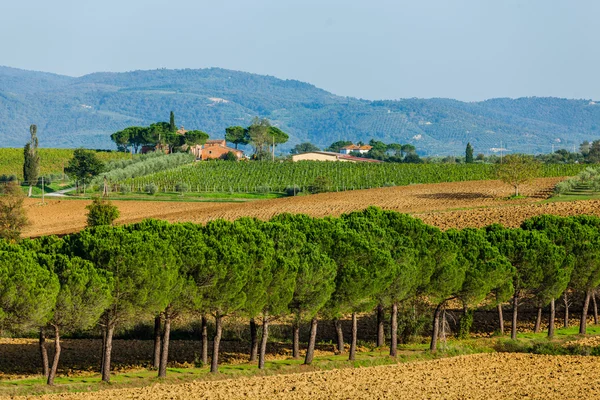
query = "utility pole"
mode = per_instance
[{"x": 273, "y": 148}]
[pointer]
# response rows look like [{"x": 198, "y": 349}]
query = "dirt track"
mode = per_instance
[
  {"x": 65, "y": 216},
  {"x": 483, "y": 376}
]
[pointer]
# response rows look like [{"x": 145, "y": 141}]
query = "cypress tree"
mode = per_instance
[
  {"x": 469, "y": 154},
  {"x": 172, "y": 126},
  {"x": 31, "y": 163}
]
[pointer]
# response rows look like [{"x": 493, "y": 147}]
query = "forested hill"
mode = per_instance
[{"x": 72, "y": 112}]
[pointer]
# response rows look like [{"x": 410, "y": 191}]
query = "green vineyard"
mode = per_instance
[
  {"x": 262, "y": 177},
  {"x": 52, "y": 161}
]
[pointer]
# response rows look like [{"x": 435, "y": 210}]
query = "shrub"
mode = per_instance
[
  {"x": 319, "y": 185},
  {"x": 101, "y": 212},
  {"x": 124, "y": 189},
  {"x": 182, "y": 187},
  {"x": 292, "y": 190},
  {"x": 151, "y": 188}
]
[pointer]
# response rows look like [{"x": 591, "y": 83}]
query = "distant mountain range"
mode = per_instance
[{"x": 84, "y": 111}]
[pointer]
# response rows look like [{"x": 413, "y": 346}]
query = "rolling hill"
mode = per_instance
[{"x": 83, "y": 111}]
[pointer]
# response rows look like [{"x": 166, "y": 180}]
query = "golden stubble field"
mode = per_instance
[
  {"x": 446, "y": 205},
  {"x": 482, "y": 376}
]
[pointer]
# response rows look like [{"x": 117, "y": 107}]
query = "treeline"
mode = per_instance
[
  {"x": 293, "y": 265},
  {"x": 160, "y": 135}
]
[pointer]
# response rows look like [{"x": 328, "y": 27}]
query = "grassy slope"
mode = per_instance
[{"x": 51, "y": 160}]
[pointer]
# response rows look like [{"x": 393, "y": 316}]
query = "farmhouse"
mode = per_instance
[
  {"x": 362, "y": 149},
  {"x": 330, "y": 156},
  {"x": 214, "y": 149}
]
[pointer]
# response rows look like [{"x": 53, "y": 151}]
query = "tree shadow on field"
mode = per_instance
[{"x": 456, "y": 196}]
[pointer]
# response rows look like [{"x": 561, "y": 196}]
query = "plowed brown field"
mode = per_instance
[
  {"x": 482, "y": 376},
  {"x": 429, "y": 202}
]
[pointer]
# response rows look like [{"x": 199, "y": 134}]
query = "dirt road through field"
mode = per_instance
[{"x": 482, "y": 376}]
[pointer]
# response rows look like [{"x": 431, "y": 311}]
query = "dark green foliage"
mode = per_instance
[
  {"x": 31, "y": 164},
  {"x": 305, "y": 147},
  {"x": 84, "y": 166},
  {"x": 172, "y": 126},
  {"x": 319, "y": 185},
  {"x": 230, "y": 156},
  {"x": 236, "y": 135},
  {"x": 101, "y": 212},
  {"x": 27, "y": 290},
  {"x": 469, "y": 154}
]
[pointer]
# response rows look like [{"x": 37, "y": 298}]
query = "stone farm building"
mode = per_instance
[
  {"x": 214, "y": 149},
  {"x": 330, "y": 156}
]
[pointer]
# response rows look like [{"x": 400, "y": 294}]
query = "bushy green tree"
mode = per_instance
[
  {"x": 101, "y": 212},
  {"x": 27, "y": 289},
  {"x": 84, "y": 294},
  {"x": 305, "y": 147},
  {"x": 517, "y": 169},
  {"x": 84, "y": 166},
  {"x": 143, "y": 267},
  {"x": 236, "y": 135}
]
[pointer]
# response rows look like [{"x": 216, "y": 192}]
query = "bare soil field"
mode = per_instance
[
  {"x": 430, "y": 202},
  {"x": 481, "y": 376}
]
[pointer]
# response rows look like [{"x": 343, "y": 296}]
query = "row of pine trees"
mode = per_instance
[{"x": 292, "y": 266}]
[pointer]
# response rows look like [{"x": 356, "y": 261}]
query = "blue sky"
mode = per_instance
[{"x": 375, "y": 49}]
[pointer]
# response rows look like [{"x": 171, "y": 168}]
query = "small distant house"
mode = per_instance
[
  {"x": 214, "y": 149},
  {"x": 363, "y": 149},
  {"x": 181, "y": 131},
  {"x": 330, "y": 156}
]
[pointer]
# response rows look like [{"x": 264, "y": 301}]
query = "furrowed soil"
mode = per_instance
[
  {"x": 481, "y": 376},
  {"x": 446, "y": 205}
]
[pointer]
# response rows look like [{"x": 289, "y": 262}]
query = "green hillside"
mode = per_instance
[{"x": 72, "y": 112}]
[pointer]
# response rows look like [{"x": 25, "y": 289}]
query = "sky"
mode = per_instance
[{"x": 372, "y": 49}]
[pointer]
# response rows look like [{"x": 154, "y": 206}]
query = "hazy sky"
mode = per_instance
[{"x": 373, "y": 49}]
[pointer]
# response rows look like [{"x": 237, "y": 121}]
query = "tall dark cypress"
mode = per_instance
[
  {"x": 469, "y": 154},
  {"x": 172, "y": 126}
]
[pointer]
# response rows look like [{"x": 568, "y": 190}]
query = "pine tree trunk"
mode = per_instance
[
  {"x": 380, "y": 327},
  {"x": 204, "y": 334},
  {"x": 500, "y": 319},
  {"x": 214, "y": 365},
  {"x": 263, "y": 342},
  {"x": 566, "y": 302},
  {"x": 44, "y": 353},
  {"x": 352, "y": 354},
  {"x": 164, "y": 354},
  {"x": 310, "y": 350},
  {"x": 595, "y": 307},
  {"x": 253, "y": 340},
  {"x": 538, "y": 321},
  {"x": 551, "y": 319},
  {"x": 340, "y": 336},
  {"x": 156, "y": 353},
  {"x": 30, "y": 190},
  {"x": 515, "y": 307},
  {"x": 584, "y": 313},
  {"x": 110, "y": 330},
  {"x": 296, "y": 340},
  {"x": 436, "y": 327},
  {"x": 56, "y": 357},
  {"x": 103, "y": 351},
  {"x": 394, "y": 331}
]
